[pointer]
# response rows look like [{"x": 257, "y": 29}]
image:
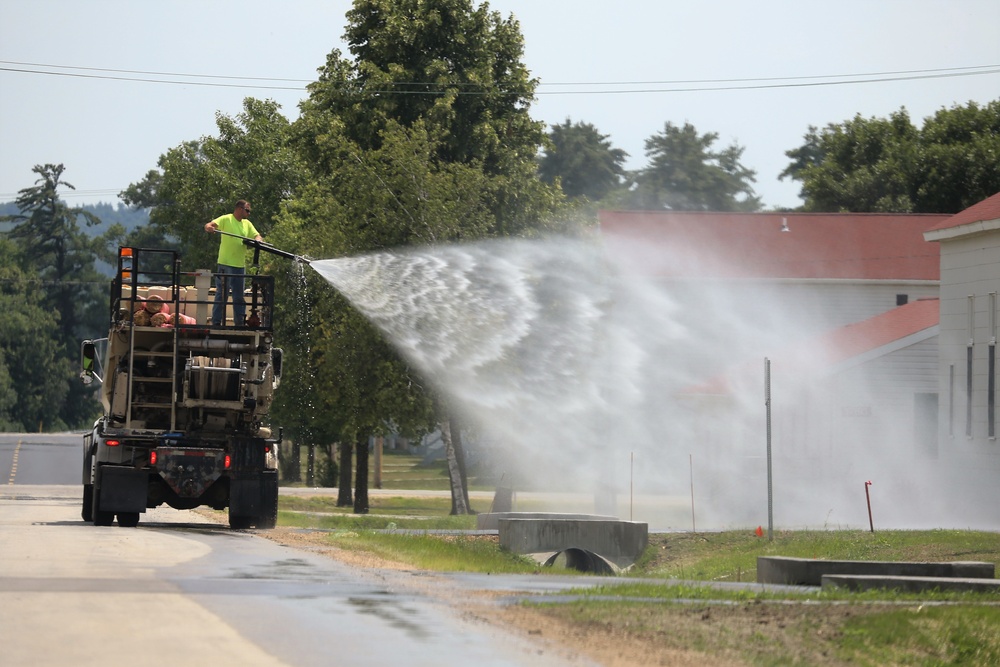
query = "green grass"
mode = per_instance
[
  {"x": 923, "y": 636},
  {"x": 782, "y": 634},
  {"x": 732, "y": 555},
  {"x": 402, "y": 471},
  {"x": 822, "y": 627},
  {"x": 384, "y": 512},
  {"x": 436, "y": 552}
]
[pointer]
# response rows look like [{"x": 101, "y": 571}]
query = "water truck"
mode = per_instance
[{"x": 185, "y": 402}]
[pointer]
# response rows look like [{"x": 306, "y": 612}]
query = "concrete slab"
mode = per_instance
[
  {"x": 809, "y": 571},
  {"x": 863, "y": 582}
]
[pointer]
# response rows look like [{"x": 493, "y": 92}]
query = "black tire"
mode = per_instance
[
  {"x": 88, "y": 503},
  {"x": 239, "y": 521},
  {"x": 270, "y": 517},
  {"x": 100, "y": 517},
  {"x": 128, "y": 519}
]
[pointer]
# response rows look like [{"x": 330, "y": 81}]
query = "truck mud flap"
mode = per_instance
[
  {"x": 123, "y": 489},
  {"x": 252, "y": 497}
]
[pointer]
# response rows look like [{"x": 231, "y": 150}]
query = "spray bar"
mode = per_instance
[{"x": 266, "y": 247}]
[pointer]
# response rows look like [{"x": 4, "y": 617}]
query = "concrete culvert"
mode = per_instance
[{"x": 582, "y": 561}]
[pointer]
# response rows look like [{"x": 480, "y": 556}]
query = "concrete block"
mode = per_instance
[
  {"x": 862, "y": 582},
  {"x": 618, "y": 542},
  {"x": 809, "y": 571},
  {"x": 490, "y": 520}
]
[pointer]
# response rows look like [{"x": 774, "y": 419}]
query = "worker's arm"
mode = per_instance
[{"x": 211, "y": 227}]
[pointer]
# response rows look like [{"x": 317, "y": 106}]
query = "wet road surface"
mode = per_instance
[
  {"x": 181, "y": 590},
  {"x": 176, "y": 590}
]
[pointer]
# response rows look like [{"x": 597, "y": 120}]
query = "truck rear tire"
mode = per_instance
[
  {"x": 128, "y": 519},
  {"x": 101, "y": 518},
  {"x": 270, "y": 517},
  {"x": 88, "y": 503},
  {"x": 239, "y": 521}
]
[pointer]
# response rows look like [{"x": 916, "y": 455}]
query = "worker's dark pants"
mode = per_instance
[{"x": 229, "y": 279}]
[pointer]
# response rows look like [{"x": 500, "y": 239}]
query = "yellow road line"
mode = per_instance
[{"x": 13, "y": 464}]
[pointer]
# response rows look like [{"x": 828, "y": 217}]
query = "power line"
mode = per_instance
[{"x": 673, "y": 86}]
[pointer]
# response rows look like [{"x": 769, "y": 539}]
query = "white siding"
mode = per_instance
[{"x": 971, "y": 266}]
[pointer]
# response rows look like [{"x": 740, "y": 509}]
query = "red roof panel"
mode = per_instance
[
  {"x": 988, "y": 209},
  {"x": 839, "y": 345},
  {"x": 831, "y": 246}
]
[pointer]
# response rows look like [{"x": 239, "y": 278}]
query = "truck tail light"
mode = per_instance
[
  {"x": 112, "y": 443},
  {"x": 227, "y": 462},
  {"x": 152, "y": 457}
]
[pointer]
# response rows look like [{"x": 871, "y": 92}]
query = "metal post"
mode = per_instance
[
  {"x": 871, "y": 524},
  {"x": 631, "y": 484},
  {"x": 767, "y": 402},
  {"x": 691, "y": 466}
]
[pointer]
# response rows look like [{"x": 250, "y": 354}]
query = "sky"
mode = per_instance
[{"x": 77, "y": 82}]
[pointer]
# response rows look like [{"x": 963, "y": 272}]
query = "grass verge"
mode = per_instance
[{"x": 686, "y": 613}]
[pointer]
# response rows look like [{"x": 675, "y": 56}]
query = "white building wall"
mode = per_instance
[
  {"x": 970, "y": 269},
  {"x": 969, "y": 455}
]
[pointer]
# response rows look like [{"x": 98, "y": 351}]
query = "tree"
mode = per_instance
[
  {"x": 54, "y": 249},
  {"x": 423, "y": 138},
  {"x": 454, "y": 67},
  {"x": 582, "y": 160},
  {"x": 685, "y": 174},
  {"x": 959, "y": 158},
  {"x": 200, "y": 180},
  {"x": 34, "y": 372},
  {"x": 889, "y": 165},
  {"x": 457, "y": 73}
]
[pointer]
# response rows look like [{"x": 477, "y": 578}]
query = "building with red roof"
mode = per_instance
[
  {"x": 825, "y": 269},
  {"x": 970, "y": 270},
  {"x": 889, "y": 362}
]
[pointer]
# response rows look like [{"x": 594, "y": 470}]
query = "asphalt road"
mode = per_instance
[{"x": 180, "y": 590}]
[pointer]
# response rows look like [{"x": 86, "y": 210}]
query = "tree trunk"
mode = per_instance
[
  {"x": 361, "y": 477},
  {"x": 459, "y": 505},
  {"x": 296, "y": 465},
  {"x": 344, "y": 498},
  {"x": 456, "y": 438}
]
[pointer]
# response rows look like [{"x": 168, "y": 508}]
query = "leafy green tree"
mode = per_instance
[
  {"x": 860, "y": 165},
  {"x": 423, "y": 137},
  {"x": 582, "y": 160},
  {"x": 456, "y": 71},
  {"x": 890, "y": 165},
  {"x": 454, "y": 67},
  {"x": 685, "y": 174},
  {"x": 959, "y": 158},
  {"x": 392, "y": 196},
  {"x": 34, "y": 371},
  {"x": 202, "y": 179},
  {"x": 52, "y": 247}
]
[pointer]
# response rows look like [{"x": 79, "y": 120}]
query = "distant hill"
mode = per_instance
[{"x": 109, "y": 214}]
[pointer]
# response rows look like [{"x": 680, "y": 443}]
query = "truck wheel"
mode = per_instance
[
  {"x": 101, "y": 518},
  {"x": 88, "y": 503},
  {"x": 128, "y": 519},
  {"x": 239, "y": 521},
  {"x": 270, "y": 517}
]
